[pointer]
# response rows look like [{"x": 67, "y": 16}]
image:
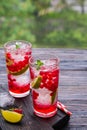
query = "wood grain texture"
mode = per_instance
[{"x": 72, "y": 88}]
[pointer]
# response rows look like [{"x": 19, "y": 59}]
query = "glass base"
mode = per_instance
[
  {"x": 19, "y": 95},
  {"x": 47, "y": 115}
]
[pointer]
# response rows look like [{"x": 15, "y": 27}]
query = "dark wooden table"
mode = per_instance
[{"x": 72, "y": 91}]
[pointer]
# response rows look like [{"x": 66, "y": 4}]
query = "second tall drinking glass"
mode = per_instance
[
  {"x": 44, "y": 70},
  {"x": 17, "y": 55}
]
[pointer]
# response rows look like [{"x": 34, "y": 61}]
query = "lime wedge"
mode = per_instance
[
  {"x": 11, "y": 116},
  {"x": 36, "y": 82},
  {"x": 9, "y": 61},
  {"x": 53, "y": 97},
  {"x": 20, "y": 71}
]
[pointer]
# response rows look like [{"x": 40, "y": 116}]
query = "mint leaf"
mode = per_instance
[
  {"x": 17, "y": 46},
  {"x": 38, "y": 64}
]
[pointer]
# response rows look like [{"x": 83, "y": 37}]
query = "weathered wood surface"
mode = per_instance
[{"x": 72, "y": 87}]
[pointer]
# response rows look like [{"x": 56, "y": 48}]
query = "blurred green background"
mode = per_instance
[{"x": 45, "y": 23}]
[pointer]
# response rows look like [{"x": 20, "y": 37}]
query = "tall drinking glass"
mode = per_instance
[
  {"x": 17, "y": 55},
  {"x": 44, "y": 70}
]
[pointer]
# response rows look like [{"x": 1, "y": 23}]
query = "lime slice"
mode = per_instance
[
  {"x": 9, "y": 62},
  {"x": 11, "y": 116},
  {"x": 36, "y": 82},
  {"x": 20, "y": 71},
  {"x": 53, "y": 97}
]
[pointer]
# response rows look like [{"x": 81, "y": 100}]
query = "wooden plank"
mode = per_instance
[
  {"x": 72, "y": 89},
  {"x": 32, "y": 122}
]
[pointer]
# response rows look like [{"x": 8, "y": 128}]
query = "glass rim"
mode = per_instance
[
  {"x": 44, "y": 58},
  {"x": 14, "y": 41}
]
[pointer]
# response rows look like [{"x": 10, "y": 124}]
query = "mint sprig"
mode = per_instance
[
  {"x": 17, "y": 46},
  {"x": 38, "y": 64}
]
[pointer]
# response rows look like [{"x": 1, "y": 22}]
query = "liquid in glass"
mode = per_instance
[
  {"x": 45, "y": 87},
  {"x": 17, "y": 55}
]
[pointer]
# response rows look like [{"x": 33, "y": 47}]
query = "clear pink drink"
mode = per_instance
[
  {"x": 45, "y": 96},
  {"x": 17, "y": 62}
]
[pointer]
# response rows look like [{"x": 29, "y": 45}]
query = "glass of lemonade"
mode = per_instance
[
  {"x": 17, "y": 55},
  {"x": 44, "y": 70}
]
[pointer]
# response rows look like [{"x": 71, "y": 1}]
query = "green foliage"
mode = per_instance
[
  {"x": 21, "y": 20},
  {"x": 13, "y": 28},
  {"x": 69, "y": 30},
  {"x": 40, "y": 5},
  {"x": 21, "y": 8}
]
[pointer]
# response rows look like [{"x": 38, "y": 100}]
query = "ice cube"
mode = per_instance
[
  {"x": 22, "y": 79},
  {"x": 11, "y": 48},
  {"x": 6, "y": 99},
  {"x": 17, "y": 57},
  {"x": 44, "y": 97}
]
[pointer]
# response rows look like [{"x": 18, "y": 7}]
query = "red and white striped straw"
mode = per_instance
[
  {"x": 59, "y": 103},
  {"x": 63, "y": 108}
]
